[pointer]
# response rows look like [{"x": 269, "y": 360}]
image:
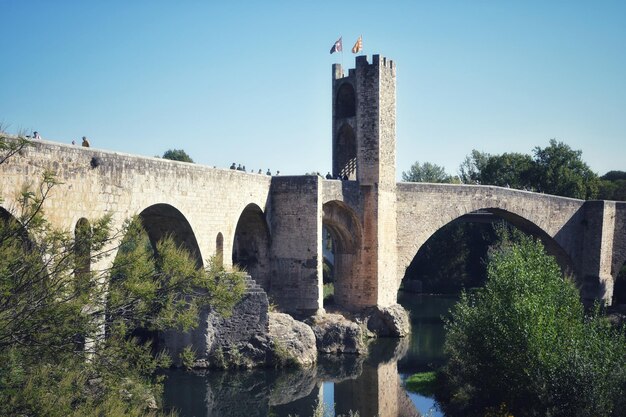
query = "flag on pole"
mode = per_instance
[
  {"x": 358, "y": 46},
  {"x": 337, "y": 47}
]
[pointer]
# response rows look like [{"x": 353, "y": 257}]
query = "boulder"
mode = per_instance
[
  {"x": 336, "y": 334},
  {"x": 392, "y": 321},
  {"x": 293, "y": 342}
]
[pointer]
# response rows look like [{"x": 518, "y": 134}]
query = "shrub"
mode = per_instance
[{"x": 524, "y": 344}]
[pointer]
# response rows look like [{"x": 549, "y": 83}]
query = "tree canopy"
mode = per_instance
[
  {"x": 428, "y": 172},
  {"x": 523, "y": 345},
  {"x": 177, "y": 155},
  {"x": 556, "y": 169},
  {"x": 613, "y": 186}
]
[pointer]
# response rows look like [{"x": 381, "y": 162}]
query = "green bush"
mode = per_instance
[{"x": 524, "y": 344}]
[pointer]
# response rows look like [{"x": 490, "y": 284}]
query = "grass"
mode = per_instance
[
  {"x": 329, "y": 293},
  {"x": 422, "y": 383}
]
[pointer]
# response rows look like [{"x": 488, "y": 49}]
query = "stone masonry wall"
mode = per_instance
[
  {"x": 210, "y": 199},
  {"x": 425, "y": 208},
  {"x": 296, "y": 260}
]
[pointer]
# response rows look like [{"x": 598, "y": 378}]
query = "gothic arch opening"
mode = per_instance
[
  {"x": 251, "y": 245},
  {"x": 219, "y": 249},
  {"x": 342, "y": 240},
  {"x": 161, "y": 220},
  {"x": 11, "y": 227},
  {"x": 158, "y": 221},
  {"x": 345, "y": 103},
  {"x": 345, "y": 153},
  {"x": 453, "y": 258},
  {"x": 82, "y": 254}
]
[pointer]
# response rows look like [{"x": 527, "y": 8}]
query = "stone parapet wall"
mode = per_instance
[
  {"x": 122, "y": 185},
  {"x": 424, "y": 208}
]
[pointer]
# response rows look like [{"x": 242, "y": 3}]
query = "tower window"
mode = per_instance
[{"x": 346, "y": 102}]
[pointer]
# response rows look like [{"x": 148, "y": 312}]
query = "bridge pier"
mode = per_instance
[{"x": 597, "y": 256}]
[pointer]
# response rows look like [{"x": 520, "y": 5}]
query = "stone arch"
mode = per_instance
[
  {"x": 552, "y": 246},
  {"x": 251, "y": 245},
  {"x": 345, "y": 230},
  {"x": 345, "y": 152},
  {"x": 161, "y": 220},
  {"x": 219, "y": 249},
  {"x": 82, "y": 252},
  {"x": 345, "y": 102},
  {"x": 14, "y": 225}
]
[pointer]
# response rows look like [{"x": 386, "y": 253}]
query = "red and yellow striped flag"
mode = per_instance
[{"x": 358, "y": 46}]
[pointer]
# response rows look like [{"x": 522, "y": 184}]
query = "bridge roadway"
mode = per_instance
[{"x": 273, "y": 226}]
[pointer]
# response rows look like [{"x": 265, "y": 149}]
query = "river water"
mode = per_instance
[{"x": 372, "y": 385}]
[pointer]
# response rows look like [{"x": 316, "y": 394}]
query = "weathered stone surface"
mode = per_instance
[
  {"x": 390, "y": 321},
  {"x": 291, "y": 340},
  {"x": 239, "y": 340},
  {"x": 336, "y": 334}
]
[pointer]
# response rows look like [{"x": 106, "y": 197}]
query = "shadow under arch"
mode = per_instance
[
  {"x": 619, "y": 286},
  {"x": 82, "y": 247},
  {"x": 493, "y": 215},
  {"x": 345, "y": 231},
  {"x": 161, "y": 220},
  {"x": 251, "y": 245},
  {"x": 11, "y": 227},
  {"x": 219, "y": 249}
]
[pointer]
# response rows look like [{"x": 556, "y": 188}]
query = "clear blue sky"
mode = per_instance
[{"x": 251, "y": 81}]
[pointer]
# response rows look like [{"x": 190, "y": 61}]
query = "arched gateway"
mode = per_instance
[{"x": 274, "y": 226}]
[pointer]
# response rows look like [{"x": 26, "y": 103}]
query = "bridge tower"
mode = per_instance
[{"x": 364, "y": 150}]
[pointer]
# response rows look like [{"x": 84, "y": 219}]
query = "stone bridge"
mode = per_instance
[{"x": 275, "y": 226}]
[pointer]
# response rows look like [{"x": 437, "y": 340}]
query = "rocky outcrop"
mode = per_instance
[
  {"x": 237, "y": 341},
  {"x": 293, "y": 342},
  {"x": 390, "y": 321},
  {"x": 336, "y": 334}
]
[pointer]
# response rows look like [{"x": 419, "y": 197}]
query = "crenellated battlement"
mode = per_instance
[{"x": 361, "y": 62}]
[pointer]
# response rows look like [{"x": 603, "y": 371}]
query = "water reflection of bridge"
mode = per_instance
[{"x": 370, "y": 385}]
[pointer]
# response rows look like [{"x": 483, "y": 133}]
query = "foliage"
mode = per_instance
[
  {"x": 282, "y": 357},
  {"x": 613, "y": 186},
  {"x": 329, "y": 293},
  {"x": 188, "y": 357},
  {"x": 560, "y": 170},
  {"x": 422, "y": 383},
  {"x": 177, "y": 155},
  {"x": 428, "y": 172},
  {"x": 524, "y": 343},
  {"x": 71, "y": 337},
  {"x": 556, "y": 169},
  {"x": 453, "y": 258}
]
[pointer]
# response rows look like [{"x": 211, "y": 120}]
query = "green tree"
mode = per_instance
[
  {"x": 471, "y": 168},
  {"x": 69, "y": 335},
  {"x": 515, "y": 170},
  {"x": 613, "y": 186},
  {"x": 427, "y": 172},
  {"x": 555, "y": 169},
  {"x": 560, "y": 170},
  {"x": 523, "y": 345},
  {"x": 177, "y": 155}
]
